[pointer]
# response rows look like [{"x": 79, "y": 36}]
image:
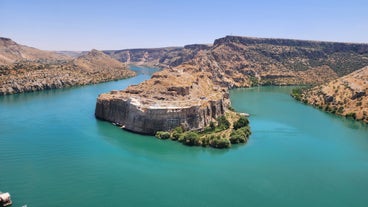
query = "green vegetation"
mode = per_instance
[
  {"x": 242, "y": 122},
  {"x": 163, "y": 135},
  {"x": 351, "y": 115},
  {"x": 220, "y": 143},
  {"x": 297, "y": 93},
  {"x": 222, "y": 123},
  {"x": 217, "y": 135},
  {"x": 240, "y": 135}
]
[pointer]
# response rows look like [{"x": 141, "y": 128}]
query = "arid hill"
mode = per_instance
[
  {"x": 244, "y": 61},
  {"x": 28, "y": 69},
  {"x": 158, "y": 57},
  {"x": 346, "y": 96},
  {"x": 10, "y": 52}
]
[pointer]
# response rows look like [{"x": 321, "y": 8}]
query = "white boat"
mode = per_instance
[{"x": 5, "y": 199}]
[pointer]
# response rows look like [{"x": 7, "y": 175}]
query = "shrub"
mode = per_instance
[
  {"x": 179, "y": 129},
  {"x": 297, "y": 93},
  {"x": 222, "y": 123},
  {"x": 190, "y": 138},
  {"x": 351, "y": 115},
  {"x": 240, "y": 135},
  {"x": 205, "y": 141},
  {"x": 242, "y": 122},
  {"x": 162, "y": 135},
  {"x": 220, "y": 143},
  {"x": 176, "y": 133}
]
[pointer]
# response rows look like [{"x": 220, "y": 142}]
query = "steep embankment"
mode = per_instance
[
  {"x": 28, "y": 69},
  {"x": 346, "y": 96}
]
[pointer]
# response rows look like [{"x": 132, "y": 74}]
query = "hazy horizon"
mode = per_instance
[{"x": 76, "y": 25}]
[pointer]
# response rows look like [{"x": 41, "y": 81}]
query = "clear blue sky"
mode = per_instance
[{"x": 113, "y": 24}]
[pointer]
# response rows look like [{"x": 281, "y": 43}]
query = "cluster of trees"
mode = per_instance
[{"x": 210, "y": 136}]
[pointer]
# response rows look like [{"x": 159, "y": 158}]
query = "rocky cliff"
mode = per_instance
[
  {"x": 244, "y": 61},
  {"x": 25, "y": 73},
  {"x": 171, "y": 98},
  {"x": 346, "y": 96}
]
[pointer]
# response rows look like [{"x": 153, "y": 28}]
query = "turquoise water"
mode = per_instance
[{"x": 53, "y": 152}]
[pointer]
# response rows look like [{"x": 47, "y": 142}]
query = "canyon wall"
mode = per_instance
[{"x": 149, "y": 119}]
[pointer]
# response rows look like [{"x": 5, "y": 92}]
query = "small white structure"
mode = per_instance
[{"x": 5, "y": 199}]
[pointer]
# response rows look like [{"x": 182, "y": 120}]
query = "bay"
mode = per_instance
[{"x": 53, "y": 152}]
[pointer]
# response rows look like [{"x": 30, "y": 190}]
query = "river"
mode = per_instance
[{"x": 53, "y": 152}]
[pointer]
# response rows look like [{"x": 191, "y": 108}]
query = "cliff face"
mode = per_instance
[
  {"x": 158, "y": 57},
  {"x": 133, "y": 116},
  {"x": 244, "y": 61},
  {"x": 346, "y": 96},
  {"x": 34, "y": 75},
  {"x": 171, "y": 98}
]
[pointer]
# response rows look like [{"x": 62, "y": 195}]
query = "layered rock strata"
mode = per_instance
[{"x": 169, "y": 99}]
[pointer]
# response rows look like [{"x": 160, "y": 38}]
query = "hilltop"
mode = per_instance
[
  {"x": 27, "y": 69},
  {"x": 10, "y": 52}
]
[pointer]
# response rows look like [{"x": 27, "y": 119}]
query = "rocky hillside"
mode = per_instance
[
  {"x": 158, "y": 57},
  {"x": 27, "y": 75},
  {"x": 11, "y": 52},
  {"x": 347, "y": 96},
  {"x": 244, "y": 61}
]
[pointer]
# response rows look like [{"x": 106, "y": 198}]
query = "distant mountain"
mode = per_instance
[
  {"x": 158, "y": 57},
  {"x": 347, "y": 96},
  {"x": 26, "y": 69},
  {"x": 73, "y": 54},
  {"x": 244, "y": 61},
  {"x": 11, "y": 52}
]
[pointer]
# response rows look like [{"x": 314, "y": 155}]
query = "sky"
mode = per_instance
[{"x": 113, "y": 24}]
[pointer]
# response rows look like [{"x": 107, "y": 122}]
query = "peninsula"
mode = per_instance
[{"x": 192, "y": 93}]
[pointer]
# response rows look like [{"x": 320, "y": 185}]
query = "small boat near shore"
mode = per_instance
[{"x": 5, "y": 199}]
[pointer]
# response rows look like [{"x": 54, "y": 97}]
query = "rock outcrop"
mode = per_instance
[
  {"x": 25, "y": 73},
  {"x": 346, "y": 96},
  {"x": 171, "y": 98}
]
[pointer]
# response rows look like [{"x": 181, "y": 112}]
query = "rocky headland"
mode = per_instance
[
  {"x": 346, "y": 96},
  {"x": 192, "y": 92},
  {"x": 26, "y": 69}
]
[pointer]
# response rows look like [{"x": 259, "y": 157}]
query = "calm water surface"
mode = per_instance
[{"x": 53, "y": 152}]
